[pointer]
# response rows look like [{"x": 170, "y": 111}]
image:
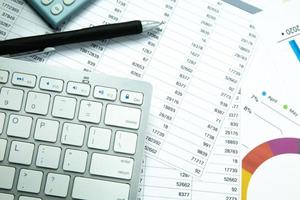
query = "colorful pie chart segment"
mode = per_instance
[{"x": 262, "y": 153}]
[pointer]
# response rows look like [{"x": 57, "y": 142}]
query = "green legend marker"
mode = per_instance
[{"x": 285, "y": 107}]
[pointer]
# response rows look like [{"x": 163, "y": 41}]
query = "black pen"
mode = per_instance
[{"x": 45, "y": 42}]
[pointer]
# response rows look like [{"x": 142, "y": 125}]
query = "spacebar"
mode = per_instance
[{"x": 92, "y": 189}]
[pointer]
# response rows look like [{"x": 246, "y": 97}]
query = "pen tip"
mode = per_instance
[{"x": 151, "y": 24}]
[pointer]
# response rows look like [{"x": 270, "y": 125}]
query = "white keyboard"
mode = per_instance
[{"x": 66, "y": 134}]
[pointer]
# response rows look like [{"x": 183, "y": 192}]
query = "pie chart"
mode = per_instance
[{"x": 255, "y": 158}]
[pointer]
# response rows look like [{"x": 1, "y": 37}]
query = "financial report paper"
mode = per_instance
[
  {"x": 161, "y": 182},
  {"x": 195, "y": 63}
]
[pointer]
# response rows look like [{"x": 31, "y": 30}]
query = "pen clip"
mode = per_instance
[{"x": 30, "y": 53}]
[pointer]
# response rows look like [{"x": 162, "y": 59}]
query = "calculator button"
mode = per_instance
[
  {"x": 131, "y": 97},
  {"x": 47, "y": 2},
  {"x": 57, "y": 9},
  {"x": 69, "y": 2}
]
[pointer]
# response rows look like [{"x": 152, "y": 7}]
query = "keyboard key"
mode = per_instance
[
  {"x": 105, "y": 93},
  {"x": 46, "y": 130},
  {"x": 11, "y": 99},
  {"x": 122, "y": 116},
  {"x": 90, "y": 111},
  {"x": 80, "y": 89},
  {"x": 57, "y": 185},
  {"x": 19, "y": 126},
  {"x": 37, "y": 103},
  {"x": 108, "y": 190},
  {"x": 3, "y": 144},
  {"x": 2, "y": 121},
  {"x": 21, "y": 153},
  {"x": 28, "y": 198},
  {"x": 75, "y": 161},
  {"x": 6, "y": 196},
  {"x": 99, "y": 138},
  {"x": 26, "y": 80},
  {"x": 111, "y": 166},
  {"x": 131, "y": 97},
  {"x": 48, "y": 157},
  {"x": 73, "y": 134},
  {"x": 64, "y": 107},
  {"x": 57, "y": 9},
  {"x": 30, "y": 181},
  {"x": 7, "y": 175},
  {"x": 125, "y": 142},
  {"x": 3, "y": 76},
  {"x": 51, "y": 84}
]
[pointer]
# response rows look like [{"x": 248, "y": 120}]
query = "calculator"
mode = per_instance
[{"x": 56, "y": 12}]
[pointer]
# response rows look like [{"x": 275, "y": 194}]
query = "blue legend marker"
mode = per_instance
[
  {"x": 264, "y": 93},
  {"x": 295, "y": 48}
]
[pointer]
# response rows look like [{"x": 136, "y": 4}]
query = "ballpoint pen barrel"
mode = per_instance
[{"x": 41, "y": 42}]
